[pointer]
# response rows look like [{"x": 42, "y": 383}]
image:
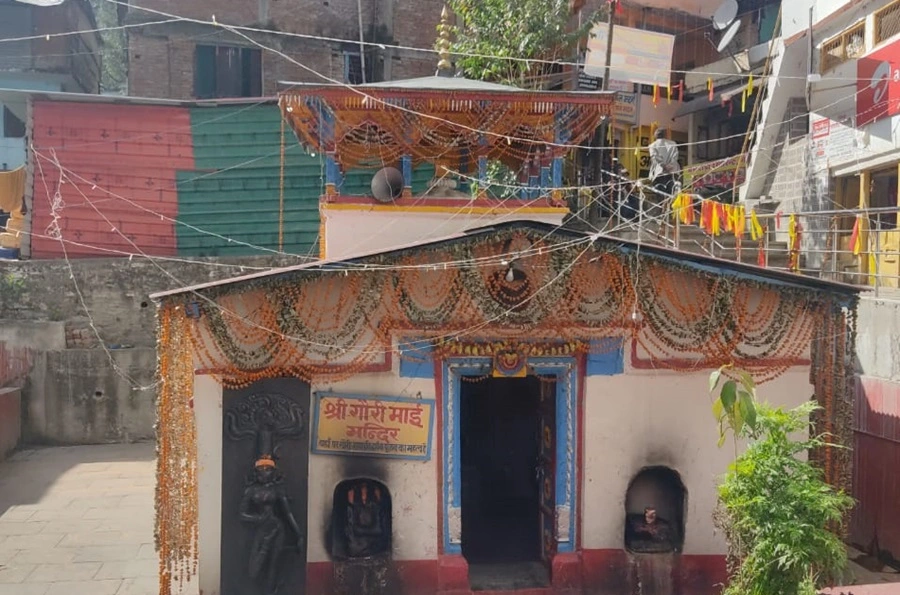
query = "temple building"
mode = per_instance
[{"x": 464, "y": 394}]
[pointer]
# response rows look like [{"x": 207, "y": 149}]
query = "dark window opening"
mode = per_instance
[
  {"x": 225, "y": 71},
  {"x": 13, "y": 127},
  {"x": 654, "y": 511},
  {"x": 360, "y": 519},
  {"x": 353, "y": 71}
]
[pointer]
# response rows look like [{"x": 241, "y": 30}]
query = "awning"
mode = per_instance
[{"x": 702, "y": 102}]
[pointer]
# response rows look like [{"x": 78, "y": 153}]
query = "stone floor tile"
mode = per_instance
[
  {"x": 106, "y": 553},
  {"x": 21, "y": 528},
  {"x": 53, "y": 555},
  {"x": 50, "y": 573},
  {"x": 129, "y": 569},
  {"x": 28, "y": 542},
  {"x": 95, "y": 538},
  {"x": 15, "y": 574},
  {"x": 26, "y": 589},
  {"x": 85, "y": 588}
]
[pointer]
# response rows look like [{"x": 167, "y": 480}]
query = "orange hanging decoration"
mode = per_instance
[{"x": 711, "y": 89}]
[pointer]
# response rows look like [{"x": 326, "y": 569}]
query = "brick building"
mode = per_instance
[{"x": 191, "y": 59}]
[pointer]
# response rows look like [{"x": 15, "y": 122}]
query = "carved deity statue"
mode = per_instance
[
  {"x": 275, "y": 532},
  {"x": 649, "y": 533},
  {"x": 365, "y": 527}
]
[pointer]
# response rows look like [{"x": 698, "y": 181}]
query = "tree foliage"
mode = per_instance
[
  {"x": 114, "y": 53},
  {"x": 491, "y": 32},
  {"x": 775, "y": 509}
]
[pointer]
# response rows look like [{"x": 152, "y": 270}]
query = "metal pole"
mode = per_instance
[
  {"x": 594, "y": 211},
  {"x": 877, "y": 250},
  {"x": 834, "y": 248},
  {"x": 362, "y": 43}
]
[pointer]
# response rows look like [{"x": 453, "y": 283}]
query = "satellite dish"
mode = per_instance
[
  {"x": 725, "y": 15},
  {"x": 728, "y": 36},
  {"x": 387, "y": 184}
]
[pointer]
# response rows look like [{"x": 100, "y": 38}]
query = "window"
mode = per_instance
[
  {"x": 13, "y": 127},
  {"x": 848, "y": 45},
  {"x": 887, "y": 22},
  {"x": 353, "y": 68},
  {"x": 225, "y": 71}
]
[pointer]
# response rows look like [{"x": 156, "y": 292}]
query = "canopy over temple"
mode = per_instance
[{"x": 447, "y": 121}]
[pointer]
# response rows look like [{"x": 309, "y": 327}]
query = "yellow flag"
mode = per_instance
[{"x": 756, "y": 230}]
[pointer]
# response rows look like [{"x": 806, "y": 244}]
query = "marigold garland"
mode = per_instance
[{"x": 177, "y": 503}]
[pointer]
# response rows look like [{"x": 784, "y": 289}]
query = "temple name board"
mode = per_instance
[{"x": 395, "y": 427}]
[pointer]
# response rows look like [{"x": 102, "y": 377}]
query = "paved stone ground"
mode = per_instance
[{"x": 78, "y": 520}]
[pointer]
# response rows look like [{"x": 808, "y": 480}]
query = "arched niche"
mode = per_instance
[
  {"x": 360, "y": 519},
  {"x": 654, "y": 511}
]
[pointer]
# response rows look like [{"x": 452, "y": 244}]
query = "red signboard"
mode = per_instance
[{"x": 878, "y": 85}]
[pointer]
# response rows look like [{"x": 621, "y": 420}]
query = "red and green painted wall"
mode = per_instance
[{"x": 163, "y": 180}]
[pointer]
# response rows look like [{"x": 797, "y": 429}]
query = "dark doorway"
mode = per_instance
[
  {"x": 265, "y": 463},
  {"x": 500, "y": 448}
]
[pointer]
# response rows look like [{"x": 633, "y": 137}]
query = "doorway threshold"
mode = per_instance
[{"x": 508, "y": 576}]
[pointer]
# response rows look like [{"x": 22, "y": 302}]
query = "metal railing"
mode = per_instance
[{"x": 855, "y": 246}]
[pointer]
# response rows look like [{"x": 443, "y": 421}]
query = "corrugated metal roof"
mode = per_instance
[
  {"x": 234, "y": 190},
  {"x": 130, "y": 151},
  {"x": 697, "y": 261}
]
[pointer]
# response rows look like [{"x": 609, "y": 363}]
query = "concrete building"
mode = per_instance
[
  {"x": 36, "y": 62},
  {"x": 194, "y": 59}
]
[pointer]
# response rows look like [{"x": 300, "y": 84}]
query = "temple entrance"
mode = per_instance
[{"x": 507, "y": 520}]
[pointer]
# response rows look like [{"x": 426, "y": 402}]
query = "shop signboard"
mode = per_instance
[{"x": 878, "y": 84}]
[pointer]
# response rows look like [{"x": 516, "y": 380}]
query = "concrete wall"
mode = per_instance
[
  {"x": 876, "y": 486},
  {"x": 658, "y": 418},
  {"x": 84, "y": 384},
  {"x": 10, "y": 420}
]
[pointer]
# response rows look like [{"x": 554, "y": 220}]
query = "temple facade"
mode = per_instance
[
  {"x": 517, "y": 407},
  {"x": 466, "y": 393}
]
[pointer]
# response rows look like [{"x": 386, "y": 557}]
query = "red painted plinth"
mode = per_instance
[
  {"x": 566, "y": 572},
  {"x": 453, "y": 573}
]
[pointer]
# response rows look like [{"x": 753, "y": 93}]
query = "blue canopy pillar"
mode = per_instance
[
  {"x": 406, "y": 169},
  {"x": 334, "y": 179},
  {"x": 563, "y": 136}
]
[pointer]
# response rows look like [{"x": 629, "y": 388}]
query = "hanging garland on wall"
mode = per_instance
[
  {"x": 327, "y": 325},
  {"x": 332, "y": 325},
  {"x": 177, "y": 503}
]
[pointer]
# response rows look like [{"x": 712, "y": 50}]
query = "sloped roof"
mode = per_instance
[{"x": 698, "y": 262}]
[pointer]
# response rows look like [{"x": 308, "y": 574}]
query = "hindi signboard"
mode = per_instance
[
  {"x": 638, "y": 56},
  {"x": 625, "y": 109},
  {"x": 395, "y": 427}
]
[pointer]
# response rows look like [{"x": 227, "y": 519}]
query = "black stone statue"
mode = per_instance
[
  {"x": 275, "y": 531},
  {"x": 365, "y": 529}
]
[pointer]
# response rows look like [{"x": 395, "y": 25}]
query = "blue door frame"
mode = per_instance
[{"x": 566, "y": 371}]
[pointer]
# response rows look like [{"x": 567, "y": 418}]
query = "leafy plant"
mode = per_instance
[
  {"x": 495, "y": 39},
  {"x": 775, "y": 509}
]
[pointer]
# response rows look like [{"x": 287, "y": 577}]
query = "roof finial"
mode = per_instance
[{"x": 445, "y": 67}]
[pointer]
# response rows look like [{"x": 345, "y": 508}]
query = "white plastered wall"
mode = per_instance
[
  {"x": 413, "y": 484},
  {"x": 660, "y": 418}
]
